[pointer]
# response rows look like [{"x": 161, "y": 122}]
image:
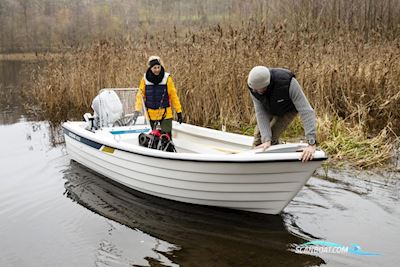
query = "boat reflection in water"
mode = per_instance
[{"x": 201, "y": 235}]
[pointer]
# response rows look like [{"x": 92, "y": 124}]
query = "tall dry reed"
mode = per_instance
[{"x": 345, "y": 76}]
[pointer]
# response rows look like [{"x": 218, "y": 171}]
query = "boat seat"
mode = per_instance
[{"x": 202, "y": 148}]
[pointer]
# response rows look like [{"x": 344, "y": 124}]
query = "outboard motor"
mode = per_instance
[
  {"x": 107, "y": 108},
  {"x": 156, "y": 140}
]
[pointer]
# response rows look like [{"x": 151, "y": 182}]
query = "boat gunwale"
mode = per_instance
[{"x": 66, "y": 130}]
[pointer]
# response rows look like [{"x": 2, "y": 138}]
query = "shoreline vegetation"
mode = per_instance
[
  {"x": 351, "y": 83},
  {"x": 345, "y": 55}
]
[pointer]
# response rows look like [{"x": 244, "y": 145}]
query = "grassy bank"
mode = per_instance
[{"x": 352, "y": 82}]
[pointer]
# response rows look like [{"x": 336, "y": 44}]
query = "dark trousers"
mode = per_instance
[{"x": 278, "y": 125}]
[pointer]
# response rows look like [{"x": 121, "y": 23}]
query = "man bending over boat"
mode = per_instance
[
  {"x": 159, "y": 95},
  {"x": 277, "y": 98}
]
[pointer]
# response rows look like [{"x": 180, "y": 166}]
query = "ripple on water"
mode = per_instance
[{"x": 348, "y": 209}]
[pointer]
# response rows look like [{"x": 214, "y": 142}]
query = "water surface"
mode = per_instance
[{"x": 56, "y": 212}]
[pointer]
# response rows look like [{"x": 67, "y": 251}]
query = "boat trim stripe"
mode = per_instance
[
  {"x": 130, "y": 131},
  {"x": 82, "y": 139}
]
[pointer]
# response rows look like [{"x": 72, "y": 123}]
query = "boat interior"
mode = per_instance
[{"x": 116, "y": 116}]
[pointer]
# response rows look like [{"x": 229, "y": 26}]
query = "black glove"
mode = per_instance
[{"x": 180, "y": 119}]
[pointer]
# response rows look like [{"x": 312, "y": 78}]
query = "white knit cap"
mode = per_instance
[
  {"x": 151, "y": 58},
  {"x": 259, "y": 78}
]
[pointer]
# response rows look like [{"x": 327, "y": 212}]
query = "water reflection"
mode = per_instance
[
  {"x": 14, "y": 76},
  {"x": 200, "y": 236},
  {"x": 350, "y": 207}
]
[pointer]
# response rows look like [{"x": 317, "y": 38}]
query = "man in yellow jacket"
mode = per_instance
[{"x": 159, "y": 95}]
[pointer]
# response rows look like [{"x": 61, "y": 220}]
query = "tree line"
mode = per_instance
[{"x": 52, "y": 25}]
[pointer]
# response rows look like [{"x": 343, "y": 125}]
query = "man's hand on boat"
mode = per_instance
[
  {"x": 264, "y": 146},
  {"x": 308, "y": 153}
]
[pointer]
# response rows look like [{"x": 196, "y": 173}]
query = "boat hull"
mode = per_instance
[{"x": 257, "y": 186}]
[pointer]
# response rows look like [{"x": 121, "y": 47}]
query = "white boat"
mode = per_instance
[{"x": 210, "y": 167}]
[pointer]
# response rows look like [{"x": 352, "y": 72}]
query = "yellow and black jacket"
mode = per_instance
[{"x": 159, "y": 99}]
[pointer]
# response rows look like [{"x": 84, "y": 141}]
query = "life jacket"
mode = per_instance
[
  {"x": 276, "y": 99},
  {"x": 157, "y": 95}
]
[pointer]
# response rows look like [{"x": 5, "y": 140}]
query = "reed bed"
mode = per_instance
[
  {"x": 5, "y": 96},
  {"x": 8, "y": 98},
  {"x": 348, "y": 79}
]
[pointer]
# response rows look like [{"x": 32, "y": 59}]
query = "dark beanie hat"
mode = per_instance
[{"x": 154, "y": 60}]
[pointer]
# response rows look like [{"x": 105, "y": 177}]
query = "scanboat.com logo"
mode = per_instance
[{"x": 318, "y": 246}]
